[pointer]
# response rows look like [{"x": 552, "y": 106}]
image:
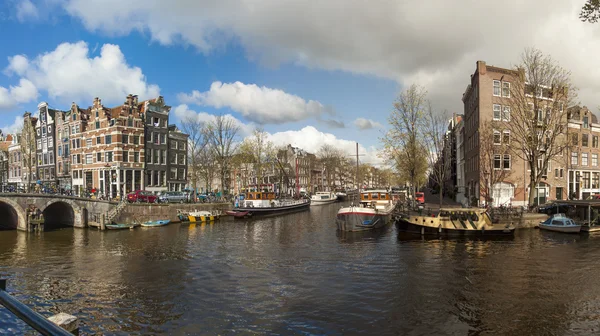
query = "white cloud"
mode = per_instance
[
  {"x": 183, "y": 111},
  {"x": 26, "y": 10},
  {"x": 365, "y": 124},
  {"x": 22, "y": 93},
  {"x": 262, "y": 105},
  {"x": 15, "y": 127},
  {"x": 311, "y": 139},
  {"x": 431, "y": 43},
  {"x": 68, "y": 74}
]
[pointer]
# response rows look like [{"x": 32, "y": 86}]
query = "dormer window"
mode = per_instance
[{"x": 74, "y": 116}]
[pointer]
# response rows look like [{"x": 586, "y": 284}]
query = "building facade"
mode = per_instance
[
  {"x": 177, "y": 156},
  {"x": 15, "y": 163},
  {"x": 582, "y": 160},
  {"x": 156, "y": 133},
  {"x": 45, "y": 146},
  {"x": 460, "y": 163}
]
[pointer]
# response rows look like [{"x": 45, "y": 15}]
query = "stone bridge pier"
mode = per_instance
[{"x": 58, "y": 211}]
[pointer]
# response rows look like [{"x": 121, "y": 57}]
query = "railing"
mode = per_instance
[{"x": 27, "y": 315}]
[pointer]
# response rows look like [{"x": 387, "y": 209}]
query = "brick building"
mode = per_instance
[
  {"x": 486, "y": 99},
  {"x": 45, "y": 146},
  {"x": 582, "y": 160},
  {"x": 177, "y": 156},
  {"x": 156, "y": 132}
]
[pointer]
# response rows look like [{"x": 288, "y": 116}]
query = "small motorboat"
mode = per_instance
[
  {"x": 162, "y": 222},
  {"x": 120, "y": 226},
  {"x": 203, "y": 216},
  {"x": 239, "y": 214},
  {"x": 560, "y": 223}
]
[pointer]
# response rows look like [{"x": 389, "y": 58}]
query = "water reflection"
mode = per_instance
[{"x": 296, "y": 274}]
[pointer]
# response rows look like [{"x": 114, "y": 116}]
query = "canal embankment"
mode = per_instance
[{"x": 140, "y": 212}]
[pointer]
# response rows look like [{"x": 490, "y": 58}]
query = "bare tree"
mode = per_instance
[
  {"x": 28, "y": 148},
  {"x": 197, "y": 144},
  {"x": 222, "y": 134},
  {"x": 435, "y": 131},
  {"x": 494, "y": 148},
  {"x": 590, "y": 11},
  {"x": 538, "y": 99},
  {"x": 260, "y": 150},
  {"x": 331, "y": 159},
  {"x": 206, "y": 166},
  {"x": 404, "y": 141}
]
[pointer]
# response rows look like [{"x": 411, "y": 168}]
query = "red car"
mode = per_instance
[
  {"x": 141, "y": 196},
  {"x": 420, "y": 197}
]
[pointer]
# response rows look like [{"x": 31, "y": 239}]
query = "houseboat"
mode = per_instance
[
  {"x": 323, "y": 197},
  {"x": 453, "y": 222},
  {"x": 265, "y": 203},
  {"x": 373, "y": 211}
]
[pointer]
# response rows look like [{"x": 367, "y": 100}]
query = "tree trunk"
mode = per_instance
[
  {"x": 532, "y": 188},
  {"x": 441, "y": 197}
]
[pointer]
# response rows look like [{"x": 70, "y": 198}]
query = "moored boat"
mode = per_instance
[
  {"x": 265, "y": 203},
  {"x": 453, "y": 222},
  {"x": 323, "y": 197},
  {"x": 238, "y": 214},
  {"x": 162, "y": 222},
  {"x": 374, "y": 211},
  {"x": 341, "y": 195},
  {"x": 203, "y": 216},
  {"x": 120, "y": 226},
  {"x": 560, "y": 224}
]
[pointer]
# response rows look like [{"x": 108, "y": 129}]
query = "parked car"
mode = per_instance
[
  {"x": 141, "y": 196},
  {"x": 173, "y": 197},
  {"x": 420, "y": 197}
]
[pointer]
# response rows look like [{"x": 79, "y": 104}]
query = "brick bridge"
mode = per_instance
[{"x": 58, "y": 210}]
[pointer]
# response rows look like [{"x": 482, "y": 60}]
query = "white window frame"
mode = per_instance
[
  {"x": 584, "y": 158},
  {"x": 502, "y": 90},
  {"x": 499, "y": 135},
  {"x": 499, "y": 112},
  {"x": 499, "y": 87},
  {"x": 574, "y": 158},
  {"x": 509, "y": 161},
  {"x": 595, "y": 160},
  {"x": 505, "y": 113},
  {"x": 498, "y": 158},
  {"x": 505, "y": 132}
]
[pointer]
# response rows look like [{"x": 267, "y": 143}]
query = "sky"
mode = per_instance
[{"x": 307, "y": 72}]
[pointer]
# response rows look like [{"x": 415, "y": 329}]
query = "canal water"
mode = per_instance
[{"x": 295, "y": 274}]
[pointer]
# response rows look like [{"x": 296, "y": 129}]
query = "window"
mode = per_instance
[
  {"x": 38, "y": 131},
  {"x": 595, "y": 141},
  {"x": 555, "y": 172},
  {"x": 173, "y": 159},
  {"x": 130, "y": 121},
  {"x": 74, "y": 116},
  {"x": 595, "y": 160},
  {"x": 506, "y": 113},
  {"x": 181, "y": 159},
  {"x": 136, "y": 157},
  {"x": 584, "y": 159},
  {"x": 561, "y": 172},
  {"x": 182, "y": 145},
  {"x": 77, "y": 128},
  {"x": 586, "y": 123},
  {"x": 497, "y": 137},
  {"x": 506, "y": 164},
  {"x": 595, "y": 180},
  {"x": 497, "y": 88},
  {"x": 125, "y": 156},
  {"x": 156, "y": 156},
  {"x": 97, "y": 124},
  {"x": 574, "y": 157},
  {"x": 506, "y": 89},
  {"x": 98, "y": 157},
  {"x": 97, "y": 114},
  {"x": 506, "y": 137},
  {"x": 157, "y": 138},
  {"x": 173, "y": 144},
  {"x": 540, "y": 115},
  {"x": 43, "y": 131},
  {"x": 59, "y": 150},
  {"x": 108, "y": 139},
  {"x": 163, "y": 139},
  {"x": 584, "y": 140},
  {"x": 497, "y": 161},
  {"x": 39, "y": 143},
  {"x": 173, "y": 173},
  {"x": 108, "y": 156},
  {"x": 164, "y": 156},
  {"x": 497, "y": 111},
  {"x": 575, "y": 139},
  {"x": 136, "y": 139},
  {"x": 125, "y": 138},
  {"x": 88, "y": 142},
  {"x": 88, "y": 158},
  {"x": 149, "y": 156},
  {"x": 51, "y": 158}
]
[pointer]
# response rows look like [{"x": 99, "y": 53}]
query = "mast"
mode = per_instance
[
  {"x": 357, "y": 186},
  {"x": 297, "y": 179}
]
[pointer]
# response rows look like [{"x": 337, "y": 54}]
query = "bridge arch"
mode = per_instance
[
  {"x": 60, "y": 213},
  {"x": 12, "y": 215}
]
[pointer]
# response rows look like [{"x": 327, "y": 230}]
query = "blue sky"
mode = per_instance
[{"x": 298, "y": 69}]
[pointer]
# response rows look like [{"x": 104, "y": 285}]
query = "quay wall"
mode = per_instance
[
  {"x": 527, "y": 221},
  {"x": 146, "y": 212}
]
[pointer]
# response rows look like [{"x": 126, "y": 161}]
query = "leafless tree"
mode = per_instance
[
  {"x": 28, "y": 149},
  {"x": 222, "y": 134},
  {"x": 435, "y": 131},
  {"x": 539, "y": 96},
  {"x": 260, "y": 150},
  {"x": 331, "y": 158},
  {"x": 494, "y": 148},
  {"x": 197, "y": 145},
  {"x": 404, "y": 141}
]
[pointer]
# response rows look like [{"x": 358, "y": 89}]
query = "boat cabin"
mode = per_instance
[
  {"x": 374, "y": 196},
  {"x": 258, "y": 199}
]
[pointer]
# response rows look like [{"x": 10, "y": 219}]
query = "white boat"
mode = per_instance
[
  {"x": 374, "y": 211},
  {"x": 560, "y": 224},
  {"x": 323, "y": 197},
  {"x": 265, "y": 203}
]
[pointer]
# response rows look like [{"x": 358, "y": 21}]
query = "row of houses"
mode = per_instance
[
  {"x": 107, "y": 150},
  {"x": 572, "y": 174}
]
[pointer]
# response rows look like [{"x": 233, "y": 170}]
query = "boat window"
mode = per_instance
[
  {"x": 258, "y": 196},
  {"x": 374, "y": 196},
  {"x": 365, "y": 196},
  {"x": 250, "y": 196},
  {"x": 444, "y": 214}
]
